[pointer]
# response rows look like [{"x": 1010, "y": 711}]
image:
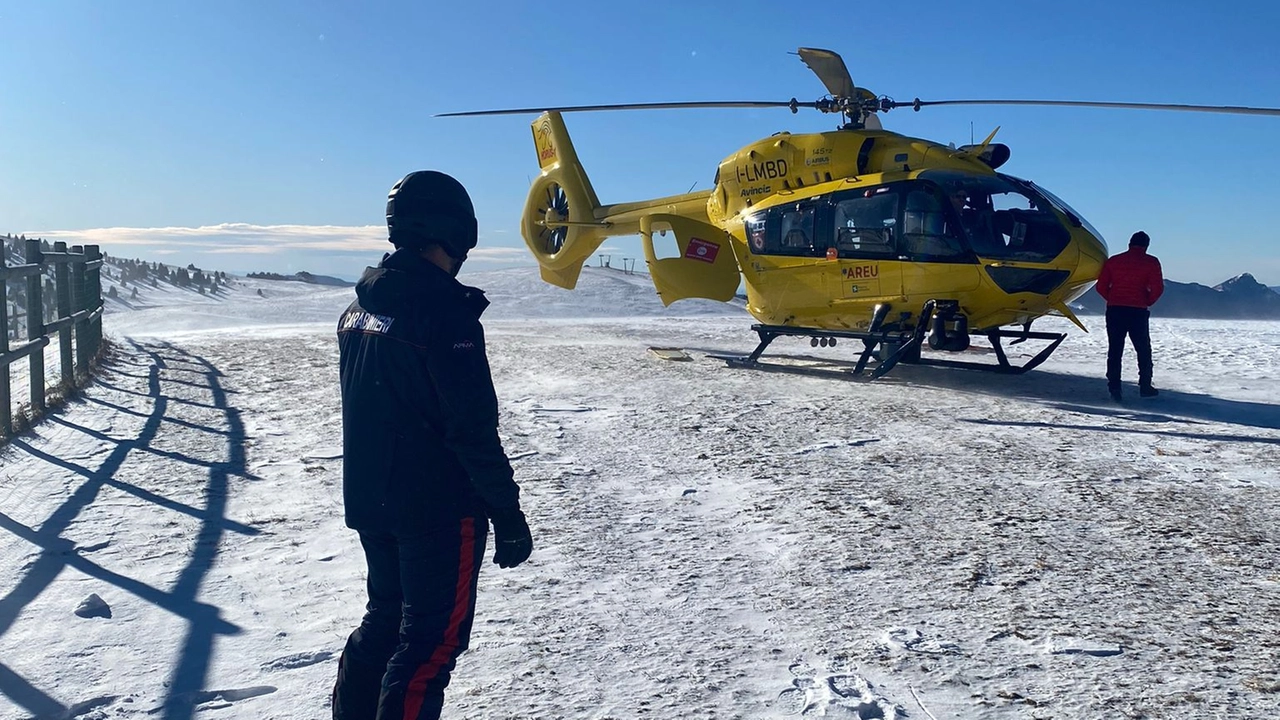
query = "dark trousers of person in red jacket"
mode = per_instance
[
  {"x": 422, "y": 599},
  {"x": 1133, "y": 323}
]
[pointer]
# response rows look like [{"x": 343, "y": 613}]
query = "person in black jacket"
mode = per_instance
[{"x": 424, "y": 471}]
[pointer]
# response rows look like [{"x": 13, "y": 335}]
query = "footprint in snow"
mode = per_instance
[
  {"x": 561, "y": 409},
  {"x": 215, "y": 699},
  {"x": 297, "y": 660},
  {"x": 836, "y": 693},
  {"x": 795, "y": 699},
  {"x": 898, "y": 640}
]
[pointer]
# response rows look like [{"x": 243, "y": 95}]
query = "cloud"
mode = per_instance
[
  {"x": 230, "y": 237},
  {"x": 249, "y": 239}
]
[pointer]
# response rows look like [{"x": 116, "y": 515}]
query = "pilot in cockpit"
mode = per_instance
[
  {"x": 963, "y": 209},
  {"x": 975, "y": 220}
]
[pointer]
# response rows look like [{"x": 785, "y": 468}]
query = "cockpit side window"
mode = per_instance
[
  {"x": 786, "y": 230},
  {"x": 865, "y": 224},
  {"x": 1025, "y": 228},
  {"x": 929, "y": 231},
  {"x": 797, "y": 231}
]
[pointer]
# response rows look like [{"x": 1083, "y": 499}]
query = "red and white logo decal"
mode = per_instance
[{"x": 703, "y": 250}]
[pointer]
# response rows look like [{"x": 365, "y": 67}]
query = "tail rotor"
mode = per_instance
[{"x": 554, "y": 209}]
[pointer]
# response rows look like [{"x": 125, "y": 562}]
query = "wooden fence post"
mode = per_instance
[
  {"x": 62, "y": 279},
  {"x": 6, "y": 412},
  {"x": 35, "y": 328},
  {"x": 80, "y": 295},
  {"x": 93, "y": 263}
]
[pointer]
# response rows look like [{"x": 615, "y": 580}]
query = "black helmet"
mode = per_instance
[{"x": 428, "y": 207}]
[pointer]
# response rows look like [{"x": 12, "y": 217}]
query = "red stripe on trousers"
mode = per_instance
[{"x": 415, "y": 695}]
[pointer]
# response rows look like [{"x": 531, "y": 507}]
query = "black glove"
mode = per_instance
[{"x": 511, "y": 538}]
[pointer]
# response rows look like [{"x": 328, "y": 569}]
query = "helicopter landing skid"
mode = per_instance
[
  {"x": 1004, "y": 366},
  {"x": 895, "y": 345}
]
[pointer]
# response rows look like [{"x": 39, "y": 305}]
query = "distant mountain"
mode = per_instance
[
  {"x": 1242, "y": 297},
  {"x": 303, "y": 276}
]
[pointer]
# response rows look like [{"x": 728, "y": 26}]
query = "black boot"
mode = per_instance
[
  {"x": 1115, "y": 393},
  {"x": 1148, "y": 391}
]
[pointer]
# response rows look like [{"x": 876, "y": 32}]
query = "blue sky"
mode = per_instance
[{"x": 264, "y": 135}]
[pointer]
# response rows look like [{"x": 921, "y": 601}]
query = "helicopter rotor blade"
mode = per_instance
[
  {"x": 1227, "y": 109},
  {"x": 792, "y": 104},
  {"x": 830, "y": 69}
]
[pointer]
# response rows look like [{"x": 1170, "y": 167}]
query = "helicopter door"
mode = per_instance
[
  {"x": 705, "y": 267},
  {"x": 864, "y": 228},
  {"x": 938, "y": 259}
]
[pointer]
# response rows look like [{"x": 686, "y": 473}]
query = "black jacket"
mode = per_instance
[{"x": 419, "y": 413}]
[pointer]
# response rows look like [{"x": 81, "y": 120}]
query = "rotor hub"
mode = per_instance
[{"x": 855, "y": 107}]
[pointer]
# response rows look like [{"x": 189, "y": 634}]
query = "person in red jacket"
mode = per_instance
[{"x": 1131, "y": 282}]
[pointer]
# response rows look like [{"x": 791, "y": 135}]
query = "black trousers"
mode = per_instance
[
  {"x": 422, "y": 598},
  {"x": 1134, "y": 323}
]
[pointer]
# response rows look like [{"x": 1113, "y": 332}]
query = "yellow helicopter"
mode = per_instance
[{"x": 859, "y": 233}]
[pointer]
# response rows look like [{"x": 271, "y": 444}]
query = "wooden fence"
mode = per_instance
[{"x": 77, "y": 281}]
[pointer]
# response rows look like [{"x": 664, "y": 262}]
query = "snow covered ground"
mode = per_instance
[{"x": 710, "y": 542}]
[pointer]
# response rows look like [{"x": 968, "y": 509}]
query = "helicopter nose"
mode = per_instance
[{"x": 1093, "y": 252}]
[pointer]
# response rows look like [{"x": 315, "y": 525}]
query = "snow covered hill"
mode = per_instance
[
  {"x": 516, "y": 293},
  {"x": 710, "y": 543},
  {"x": 601, "y": 293}
]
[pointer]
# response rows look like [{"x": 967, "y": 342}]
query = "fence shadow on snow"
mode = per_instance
[{"x": 176, "y": 383}]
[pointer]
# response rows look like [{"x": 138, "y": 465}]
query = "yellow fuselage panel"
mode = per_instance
[
  {"x": 786, "y": 163},
  {"x": 833, "y": 298}
]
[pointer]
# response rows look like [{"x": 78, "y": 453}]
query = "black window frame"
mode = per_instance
[{"x": 826, "y": 234}]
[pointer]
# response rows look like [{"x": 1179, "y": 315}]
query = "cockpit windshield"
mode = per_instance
[
  {"x": 1066, "y": 209},
  {"x": 1003, "y": 218}
]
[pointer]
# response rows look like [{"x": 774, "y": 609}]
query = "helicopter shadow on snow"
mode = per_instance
[
  {"x": 1087, "y": 396},
  {"x": 1061, "y": 391}
]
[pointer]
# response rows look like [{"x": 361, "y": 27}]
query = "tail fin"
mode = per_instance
[
  {"x": 564, "y": 224},
  {"x": 559, "y": 223}
]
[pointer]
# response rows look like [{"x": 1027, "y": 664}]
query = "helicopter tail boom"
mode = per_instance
[{"x": 564, "y": 224}]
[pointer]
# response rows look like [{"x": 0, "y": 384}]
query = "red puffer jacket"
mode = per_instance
[{"x": 1131, "y": 279}]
